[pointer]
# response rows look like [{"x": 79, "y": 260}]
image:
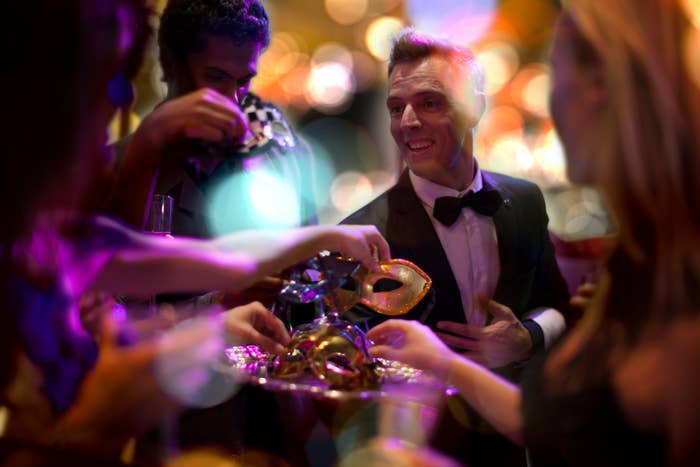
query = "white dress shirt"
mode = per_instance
[{"x": 471, "y": 247}]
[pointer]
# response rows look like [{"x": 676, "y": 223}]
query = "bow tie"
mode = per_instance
[{"x": 484, "y": 202}]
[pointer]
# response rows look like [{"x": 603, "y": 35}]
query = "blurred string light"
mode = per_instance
[
  {"x": 509, "y": 154},
  {"x": 379, "y": 35},
  {"x": 331, "y": 82},
  {"x": 332, "y": 52},
  {"x": 330, "y": 87},
  {"x": 500, "y": 61},
  {"x": 460, "y": 21},
  {"x": 692, "y": 50},
  {"x": 548, "y": 155},
  {"x": 530, "y": 89},
  {"x": 387, "y": 5},
  {"x": 500, "y": 121},
  {"x": 692, "y": 8},
  {"x": 351, "y": 190},
  {"x": 346, "y": 12},
  {"x": 282, "y": 55}
]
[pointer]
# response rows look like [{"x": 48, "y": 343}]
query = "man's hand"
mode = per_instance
[
  {"x": 503, "y": 341},
  {"x": 255, "y": 324},
  {"x": 203, "y": 114}
]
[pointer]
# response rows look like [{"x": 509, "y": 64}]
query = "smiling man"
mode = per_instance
[{"x": 481, "y": 236}]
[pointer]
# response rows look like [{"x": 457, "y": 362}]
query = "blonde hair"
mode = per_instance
[{"x": 648, "y": 140}]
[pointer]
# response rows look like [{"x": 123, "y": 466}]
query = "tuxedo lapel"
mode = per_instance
[
  {"x": 411, "y": 235},
  {"x": 507, "y": 234}
]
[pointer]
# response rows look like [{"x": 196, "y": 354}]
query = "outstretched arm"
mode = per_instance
[
  {"x": 231, "y": 263},
  {"x": 497, "y": 400}
]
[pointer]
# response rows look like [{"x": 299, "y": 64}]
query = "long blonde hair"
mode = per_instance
[{"x": 648, "y": 140}]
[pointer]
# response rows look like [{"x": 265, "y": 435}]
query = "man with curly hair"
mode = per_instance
[{"x": 211, "y": 142}]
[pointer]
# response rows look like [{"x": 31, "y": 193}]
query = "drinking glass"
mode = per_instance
[{"x": 160, "y": 215}]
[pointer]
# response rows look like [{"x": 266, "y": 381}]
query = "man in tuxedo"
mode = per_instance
[{"x": 481, "y": 236}]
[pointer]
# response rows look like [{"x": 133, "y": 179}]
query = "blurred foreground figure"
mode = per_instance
[
  {"x": 621, "y": 389},
  {"x": 63, "y": 400}
]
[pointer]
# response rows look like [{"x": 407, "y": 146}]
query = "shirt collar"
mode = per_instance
[{"x": 428, "y": 191}]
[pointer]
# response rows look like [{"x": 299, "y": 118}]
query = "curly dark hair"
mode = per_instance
[{"x": 185, "y": 23}]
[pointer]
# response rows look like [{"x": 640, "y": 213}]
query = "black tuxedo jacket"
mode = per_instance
[{"x": 529, "y": 276}]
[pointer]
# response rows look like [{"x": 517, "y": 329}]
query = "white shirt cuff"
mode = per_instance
[{"x": 551, "y": 321}]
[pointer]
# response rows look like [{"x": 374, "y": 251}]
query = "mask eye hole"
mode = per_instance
[
  {"x": 340, "y": 364},
  {"x": 349, "y": 284},
  {"x": 386, "y": 284}
]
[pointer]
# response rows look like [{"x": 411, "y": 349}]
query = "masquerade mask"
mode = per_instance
[
  {"x": 394, "y": 291},
  {"x": 330, "y": 350}
]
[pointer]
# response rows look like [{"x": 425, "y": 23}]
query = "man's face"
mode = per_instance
[
  {"x": 224, "y": 66},
  {"x": 428, "y": 122}
]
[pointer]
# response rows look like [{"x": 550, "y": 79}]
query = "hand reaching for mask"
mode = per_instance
[
  {"x": 412, "y": 343},
  {"x": 254, "y": 324}
]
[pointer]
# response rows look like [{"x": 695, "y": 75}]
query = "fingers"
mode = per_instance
[
  {"x": 459, "y": 343},
  {"x": 107, "y": 332},
  {"x": 274, "y": 328},
  {"x": 381, "y": 246},
  {"x": 586, "y": 290},
  {"x": 203, "y": 114},
  {"x": 499, "y": 311},
  {"x": 363, "y": 242},
  {"x": 265, "y": 343},
  {"x": 388, "y": 332},
  {"x": 212, "y": 125},
  {"x": 462, "y": 329},
  {"x": 384, "y": 351},
  {"x": 223, "y": 113},
  {"x": 579, "y": 301}
]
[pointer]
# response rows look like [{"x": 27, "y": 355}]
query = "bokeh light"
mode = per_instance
[
  {"x": 509, "y": 154},
  {"x": 691, "y": 53},
  {"x": 549, "y": 157},
  {"x": 530, "y": 89},
  {"x": 330, "y": 86},
  {"x": 332, "y": 52},
  {"x": 460, "y": 21},
  {"x": 263, "y": 200},
  {"x": 350, "y": 191},
  {"x": 498, "y": 122},
  {"x": 500, "y": 61},
  {"x": 692, "y": 8},
  {"x": 380, "y": 34},
  {"x": 346, "y": 11}
]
